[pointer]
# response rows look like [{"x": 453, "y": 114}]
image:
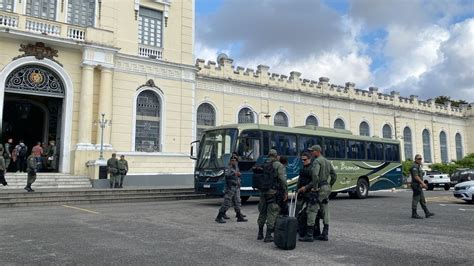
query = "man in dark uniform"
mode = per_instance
[
  {"x": 123, "y": 169},
  {"x": 268, "y": 207},
  {"x": 323, "y": 177},
  {"x": 232, "y": 182},
  {"x": 113, "y": 168},
  {"x": 417, "y": 186},
  {"x": 31, "y": 169}
]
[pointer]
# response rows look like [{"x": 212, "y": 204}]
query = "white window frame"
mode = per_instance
[{"x": 161, "y": 97}]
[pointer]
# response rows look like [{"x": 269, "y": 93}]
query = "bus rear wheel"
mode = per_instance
[
  {"x": 333, "y": 195},
  {"x": 244, "y": 199},
  {"x": 362, "y": 189}
]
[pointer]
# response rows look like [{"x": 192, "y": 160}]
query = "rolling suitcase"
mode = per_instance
[{"x": 286, "y": 227}]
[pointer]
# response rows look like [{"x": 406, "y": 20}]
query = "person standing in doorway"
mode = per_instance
[
  {"x": 417, "y": 186},
  {"x": 113, "y": 169},
  {"x": 38, "y": 153},
  {"x": 8, "y": 154},
  {"x": 31, "y": 170},
  {"x": 123, "y": 169},
  {"x": 52, "y": 155},
  {"x": 21, "y": 151}
]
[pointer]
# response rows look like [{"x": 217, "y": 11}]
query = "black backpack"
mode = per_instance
[
  {"x": 23, "y": 151},
  {"x": 264, "y": 177}
]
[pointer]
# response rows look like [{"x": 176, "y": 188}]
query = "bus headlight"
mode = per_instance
[{"x": 221, "y": 172}]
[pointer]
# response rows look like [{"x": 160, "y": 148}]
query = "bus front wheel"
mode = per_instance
[
  {"x": 244, "y": 198},
  {"x": 362, "y": 189}
]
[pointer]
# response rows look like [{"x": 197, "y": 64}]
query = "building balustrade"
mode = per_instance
[
  {"x": 8, "y": 20},
  {"x": 151, "y": 52},
  {"x": 42, "y": 26}
]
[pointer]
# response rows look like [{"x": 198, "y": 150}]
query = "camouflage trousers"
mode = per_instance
[
  {"x": 319, "y": 206},
  {"x": 31, "y": 177},
  {"x": 268, "y": 211},
  {"x": 114, "y": 179},
  {"x": 418, "y": 196},
  {"x": 231, "y": 197}
]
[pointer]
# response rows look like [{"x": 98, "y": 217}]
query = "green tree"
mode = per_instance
[{"x": 406, "y": 167}]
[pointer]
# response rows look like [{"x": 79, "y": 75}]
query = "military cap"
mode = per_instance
[
  {"x": 315, "y": 148},
  {"x": 272, "y": 152}
]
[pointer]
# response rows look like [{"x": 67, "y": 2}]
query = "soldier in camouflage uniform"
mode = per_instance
[
  {"x": 113, "y": 169},
  {"x": 123, "y": 169},
  {"x": 417, "y": 186},
  {"x": 231, "y": 188},
  {"x": 31, "y": 169},
  {"x": 320, "y": 188},
  {"x": 268, "y": 207}
]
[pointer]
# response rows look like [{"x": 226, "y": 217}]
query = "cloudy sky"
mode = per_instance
[{"x": 421, "y": 47}]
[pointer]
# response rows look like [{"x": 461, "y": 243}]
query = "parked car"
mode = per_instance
[
  {"x": 462, "y": 175},
  {"x": 436, "y": 179},
  {"x": 464, "y": 191}
]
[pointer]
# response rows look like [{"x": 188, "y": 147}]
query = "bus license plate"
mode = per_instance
[{"x": 206, "y": 186}]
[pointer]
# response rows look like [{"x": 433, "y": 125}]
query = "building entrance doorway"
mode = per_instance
[{"x": 32, "y": 112}]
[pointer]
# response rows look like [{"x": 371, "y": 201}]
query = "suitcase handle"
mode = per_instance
[{"x": 293, "y": 200}]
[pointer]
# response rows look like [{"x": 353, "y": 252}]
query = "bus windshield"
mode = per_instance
[{"x": 216, "y": 148}]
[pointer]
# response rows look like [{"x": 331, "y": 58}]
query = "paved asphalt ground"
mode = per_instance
[{"x": 374, "y": 231}]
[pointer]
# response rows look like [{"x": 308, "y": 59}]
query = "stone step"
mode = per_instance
[
  {"x": 18, "y": 198},
  {"x": 48, "y": 180},
  {"x": 101, "y": 200}
]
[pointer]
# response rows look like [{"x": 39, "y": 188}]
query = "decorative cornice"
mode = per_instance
[{"x": 39, "y": 51}]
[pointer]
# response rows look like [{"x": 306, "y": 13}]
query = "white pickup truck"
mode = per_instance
[{"x": 436, "y": 179}]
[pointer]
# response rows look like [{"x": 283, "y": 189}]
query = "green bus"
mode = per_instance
[{"x": 361, "y": 163}]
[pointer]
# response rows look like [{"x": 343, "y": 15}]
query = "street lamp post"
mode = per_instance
[
  {"x": 102, "y": 123},
  {"x": 266, "y": 115}
]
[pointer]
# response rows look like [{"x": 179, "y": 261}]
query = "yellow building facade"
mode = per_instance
[
  {"x": 438, "y": 132},
  {"x": 65, "y": 63},
  {"x": 129, "y": 60}
]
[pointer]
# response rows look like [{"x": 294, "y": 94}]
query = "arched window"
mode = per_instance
[
  {"x": 339, "y": 123},
  {"x": 246, "y": 116},
  {"x": 459, "y": 151},
  {"x": 364, "y": 129},
  {"x": 407, "y": 143},
  {"x": 443, "y": 146},
  {"x": 148, "y": 122},
  {"x": 281, "y": 119},
  {"x": 426, "y": 146},
  {"x": 206, "y": 118},
  {"x": 311, "y": 121},
  {"x": 387, "y": 131}
]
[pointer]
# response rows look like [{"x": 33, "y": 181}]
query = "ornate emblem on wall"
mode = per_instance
[
  {"x": 39, "y": 50},
  {"x": 33, "y": 79}
]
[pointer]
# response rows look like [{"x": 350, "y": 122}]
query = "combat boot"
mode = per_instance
[
  {"x": 240, "y": 217},
  {"x": 317, "y": 228},
  {"x": 225, "y": 216},
  {"x": 268, "y": 236},
  {"x": 309, "y": 235},
  {"x": 324, "y": 235},
  {"x": 428, "y": 214},
  {"x": 260, "y": 233},
  {"x": 220, "y": 218},
  {"x": 415, "y": 215}
]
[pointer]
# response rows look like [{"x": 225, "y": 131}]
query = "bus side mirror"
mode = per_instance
[{"x": 191, "y": 154}]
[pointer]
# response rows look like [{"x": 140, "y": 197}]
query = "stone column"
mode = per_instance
[
  {"x": 105, "y": 102},
  {"x": 85, "y": 106}
]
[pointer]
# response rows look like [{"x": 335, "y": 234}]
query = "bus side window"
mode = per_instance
[
  {"x": 392, "y": 153},
  {"x": 334, "y": 148},
  {"x": 305, "y": 142},
  {"x": 375, "y": 151},
  {"x": 355, "y": 150},
  {"x": 285, "y": 144}
]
